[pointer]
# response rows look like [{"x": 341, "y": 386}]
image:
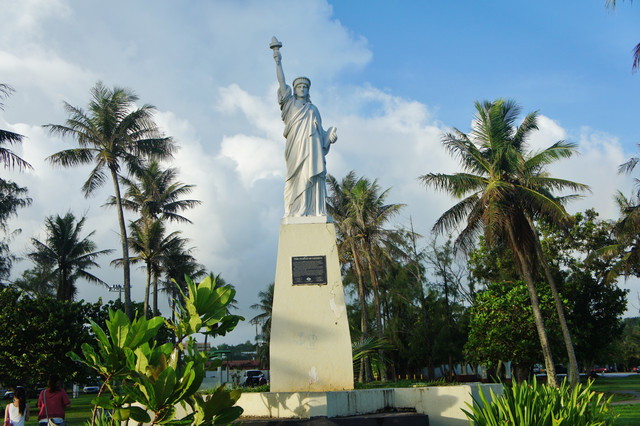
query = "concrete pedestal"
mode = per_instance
[{"x": 310, "y": 342}]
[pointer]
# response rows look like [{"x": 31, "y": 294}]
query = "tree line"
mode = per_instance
[{"x": 523, "y": 280}]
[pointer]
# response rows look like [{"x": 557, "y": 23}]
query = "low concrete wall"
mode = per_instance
[{"x": 443, "y": 404}]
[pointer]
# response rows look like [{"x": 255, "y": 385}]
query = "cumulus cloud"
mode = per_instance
[{"x": 595, "y": 164}]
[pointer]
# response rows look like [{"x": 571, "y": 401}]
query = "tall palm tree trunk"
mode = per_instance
[
  {"x": 62, "y": 286},
  {"x": 376, "y": 301},
  {"x": 147, "y": 287},
  {"x": 125, "y": 246},
  {"x": 447, "y": 309},
  {"x": 571, "y": 354},
  {"x": 155, "y": 294},
  {"x": 423, "y": 301},
  {"x": 535, "y": 307},
  {"x": 365, "y": 366}
]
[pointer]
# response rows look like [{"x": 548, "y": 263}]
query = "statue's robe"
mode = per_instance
[{"x": 305, "y": 189}]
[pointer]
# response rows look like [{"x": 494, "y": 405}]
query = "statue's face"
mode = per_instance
[{"x": 302, "y": 90}]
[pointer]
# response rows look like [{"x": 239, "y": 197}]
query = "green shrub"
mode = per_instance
[
  {"x": 144, "y": 381},
  {"x": 542, "y": 405}
]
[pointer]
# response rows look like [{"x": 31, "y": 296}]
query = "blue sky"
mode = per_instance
[
  {"x": 568, "y": 59},
  {"x": 391, "y": 76}
]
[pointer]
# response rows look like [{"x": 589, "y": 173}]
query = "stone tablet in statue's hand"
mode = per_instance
[{"x": 333, "y": 134}]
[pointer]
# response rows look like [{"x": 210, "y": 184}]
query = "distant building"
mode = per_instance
[
  {"x": 242, "y": 364},
  {"x": 202, "y": 346}
]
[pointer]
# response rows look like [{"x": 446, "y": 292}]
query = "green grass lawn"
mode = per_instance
[{"x": 629, "y": 414}]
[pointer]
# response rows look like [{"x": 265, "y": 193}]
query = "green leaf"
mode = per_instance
[
  {"x": 139, "y": 414},
  {"x": 104, "y": 402},
  {"x": 227, "y": 415},
  {"x": 185, "y": 421},
  {"x": 166, "y": 415},
  {"x": 103, "y": 340},
  {"x": 164, "y": 385},
  {"x": 121, "y": 414}
]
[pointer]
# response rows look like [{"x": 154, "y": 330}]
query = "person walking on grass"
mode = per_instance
[
  {"x": 17, "y": 412},
  {"x": 52, "y": 402}
]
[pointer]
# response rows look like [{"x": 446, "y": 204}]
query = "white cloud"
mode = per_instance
[
  {"x": 22, "y": 19},
  {"x": 595, "y": 164},
  {"x": 255, "y": 158}
]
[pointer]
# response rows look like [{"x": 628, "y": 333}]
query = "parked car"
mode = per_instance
[
  {"x": 599, "y": 370},
  {"x": 8, "y": 395},
  {"x": 636, "y": 369},
  {"x": 91, "y": 389},
  {"x": 253, "y": 378}
]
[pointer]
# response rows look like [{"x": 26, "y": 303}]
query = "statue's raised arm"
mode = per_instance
[
  {"x": 277, "y": 56},
  {"x": 305, "y": 188}
]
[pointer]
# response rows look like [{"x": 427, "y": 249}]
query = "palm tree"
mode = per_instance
[
  {"x": 370, "y": 214},
  {"x": 67, "y": 254},
  {"x": 179, "y": 261},
  {"x": 12, "y": 196},
  {"x": 39, "y": 281},
  {"x": 155, "y": 193},
  {"x": 112, "y": 134},
  {"x": 361, "y": 216},
  {"x": 263, "y": 319},
  {"x": 626, "y": 230},
  {"x": 503, "y": 189},
  {"x": 149, "y": 242},
  {"x": 338, "y": 206}
]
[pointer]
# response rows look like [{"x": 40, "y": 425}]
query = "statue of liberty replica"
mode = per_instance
[
  {"x": 305, "y": 190},
  {"x": 310, "y": 348}
]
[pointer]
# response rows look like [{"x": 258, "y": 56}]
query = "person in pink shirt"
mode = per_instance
[{"x": 56, "y": 399}]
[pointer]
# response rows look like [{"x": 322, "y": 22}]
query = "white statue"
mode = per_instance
[{"x": 305, "y": 189}]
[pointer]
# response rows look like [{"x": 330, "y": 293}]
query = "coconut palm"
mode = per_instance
[
  {"x": 177, "y": 262},
  {"x": 12, "y": 196},
  {"x": 155, "y": 193},
  {"x": 370, "y": 215},
  {"x": 69, "y": 255},
  {"x": 263, "y": 319},
  {"x": 627, "y": 230},
  {"x": 39, "y": 281},
  {"x": 361, "y": 214},
  {"x": 111, "y": 134},
  {"x": 338, "y": 206},
  {"x": 503, "y": 189},
  {"x": 149, "y": 241}
]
